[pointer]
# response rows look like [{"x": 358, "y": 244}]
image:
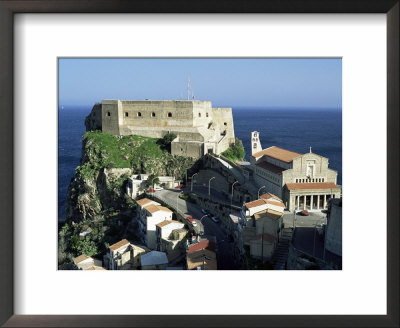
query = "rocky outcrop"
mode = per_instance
[
  {"x": 93, "y": 121},
  {"x": 89, "y": 197},
  {"x": 99, "y": 185}
]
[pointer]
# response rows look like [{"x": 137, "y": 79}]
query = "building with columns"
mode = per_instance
[{"x": 302, "y": 181}]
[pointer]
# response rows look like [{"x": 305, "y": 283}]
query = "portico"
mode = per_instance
[{"x": 310, "y": 196}]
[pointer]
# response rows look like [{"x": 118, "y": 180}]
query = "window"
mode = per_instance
[
  {"x": 126, "y": 114},
  {"x": 108, "y": 114},
  {"x": 225, "y": 123},
  {"x": 255, "y": 145},
  {"x": 153, "y": 114},
  {"x": 139, "y": 114},
  {"x": 169, "y": 114},
  {"x": 199, "y": 114},
  {"x": 206, "y": 114}
]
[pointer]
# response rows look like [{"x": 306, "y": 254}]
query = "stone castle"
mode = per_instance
[{"x": 200, "y": 129}]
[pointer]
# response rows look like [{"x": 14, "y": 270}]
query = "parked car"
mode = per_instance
[
  {"x": 180, "y": 186},
  {"x": 158, "y": 188},
  {"x": 192, "y": 221},
  {"x": 204, "y": 211},
  {"x": 151, "y": 190},
  {"x": 215, "y": 219}
]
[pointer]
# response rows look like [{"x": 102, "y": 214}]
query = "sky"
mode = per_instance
[{"x": 226, "y": 82}]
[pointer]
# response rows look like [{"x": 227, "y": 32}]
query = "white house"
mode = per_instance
[
  {"x": 137, "y": 184},
  {"x": 151, "y": 213}
]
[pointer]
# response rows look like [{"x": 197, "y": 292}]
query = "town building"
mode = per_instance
[
  {"x": 333, "y": 236},
  {"x": 137, "y": 184},
  {"x": 201, "y": 256},
  {"x": 149, "y": 214},
  {"x": 302, "y": 181},
  {"x": 154, "y": 260},
  {"x": 261, "y": 226},
  {"x": 318, "y": 247},
  {"x": 200, "y": 128},
  {"x": 82, "y": 262},
  {"x": 171, "y": 239},
  {"x": 95, "y": 268},
  {"x": 124, "y": 256}
]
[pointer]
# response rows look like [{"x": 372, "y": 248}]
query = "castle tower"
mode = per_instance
[{"x": 255, "y": 142}]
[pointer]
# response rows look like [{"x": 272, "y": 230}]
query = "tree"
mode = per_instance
[{"x": 152, "y": 180}]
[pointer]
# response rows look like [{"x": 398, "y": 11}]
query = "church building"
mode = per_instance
[{"x": 302, "y": 181}]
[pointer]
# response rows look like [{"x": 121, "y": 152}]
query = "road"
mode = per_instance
[
  {"x": 214, "y": 194},
  {"x": 311, "y": 220},
  {"x": 224, "y": 247}
]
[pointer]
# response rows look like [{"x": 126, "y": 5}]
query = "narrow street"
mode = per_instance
[{"x": 224, "y": 247}]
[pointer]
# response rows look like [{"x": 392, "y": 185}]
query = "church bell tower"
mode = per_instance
[{"x": 255, "y": 142}]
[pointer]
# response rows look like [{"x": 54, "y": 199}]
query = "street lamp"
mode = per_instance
[
  {"x": 209, "y": 185},
  {"x": 232, "y": 191},
  {"x": 191, "y": 185},
  {"x": 203, "y": 217},
  {"x": 177, "y": 204},
  {"x": 259, "y": 192}
]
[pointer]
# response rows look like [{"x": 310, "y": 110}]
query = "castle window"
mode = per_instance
[
  {"x": 169, "y": 114},
  {"x": 225, "y": 123},
  {"x": 139, "y": 114},
  {"x": 255, "y": 145},
  {"x": 126, "y": 114},
  {"x": 199, "y": 114},
  {"x": 153, "y": 114},
  {"x": 206, "y": 114}
]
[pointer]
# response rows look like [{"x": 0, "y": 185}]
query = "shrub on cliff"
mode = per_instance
[{"x": 235, "y": 152}]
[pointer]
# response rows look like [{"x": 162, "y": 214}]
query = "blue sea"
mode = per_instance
[{"x": 292, "y": 129}]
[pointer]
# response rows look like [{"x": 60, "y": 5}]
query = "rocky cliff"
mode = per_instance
[{"x": 107, "y": 162}]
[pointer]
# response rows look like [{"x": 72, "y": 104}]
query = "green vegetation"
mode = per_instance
[
  {"x": 188, "y": 197},
  {"x": 102, "y": 150},
  {"x": 165, "y": 142},
  {"x": 152, "y": 180},
  {"x": 100, "y": 211},
  {"x": 235, "y": 152}
]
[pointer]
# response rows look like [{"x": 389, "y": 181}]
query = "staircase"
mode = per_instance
[{"x": 282, "y": 250}]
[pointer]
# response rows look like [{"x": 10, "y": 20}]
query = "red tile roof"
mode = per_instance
[
  {"x": 277, "y": 153},
  {"x": 94, "y": 267},
  {"x": 308, "y": 186},
  {"x": 204, "y": 244},
  {"x": 144, "y": 201},
  {"x": 272, "y": 202},
  {"x": 156, "y": 208},
  {"x": 121, "y": 243},
  {"x": 268, "y": 195},
  {"x": 255, "y": 203},
  {"x": 270, "y": 167},
  {"x": 81, "y": 258}
]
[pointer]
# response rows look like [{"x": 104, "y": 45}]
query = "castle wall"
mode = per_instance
[
  {"x": 200, "y": 127},
  {"x": 157, "y": 113},
  {"x": 187, "y": 149},
  {"x": 202, "y": 113},
  {"x": 111, "y": 113},
  {"x": 224, "y": 119}
]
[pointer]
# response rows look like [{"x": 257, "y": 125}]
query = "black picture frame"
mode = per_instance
[{"x": 7, "y": 10}]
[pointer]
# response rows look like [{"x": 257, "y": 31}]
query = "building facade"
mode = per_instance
[
  {"x": 199, "y": 127},
  {"x": 149, "y": 214},
  {"x": 302, "y": 181}
]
